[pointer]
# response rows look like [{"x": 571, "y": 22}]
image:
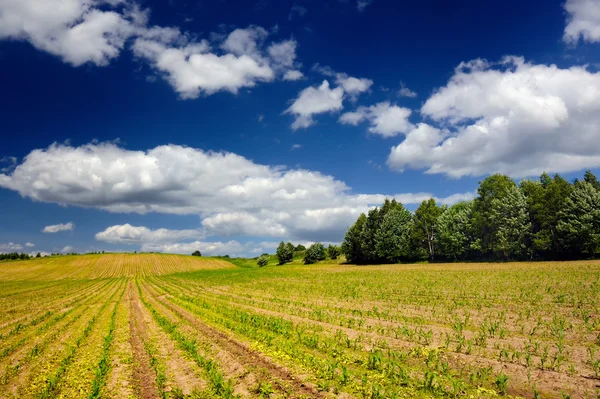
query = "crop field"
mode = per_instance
[{"x": 168, "y": 326}]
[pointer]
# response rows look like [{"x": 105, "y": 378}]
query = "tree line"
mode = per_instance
[
  {"x": 548, "y": 218},
  {"x": 14, "y": 256}
]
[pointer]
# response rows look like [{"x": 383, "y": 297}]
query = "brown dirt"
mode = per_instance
[
  {"x": 181, "y": 372},
  {"x": 549, "y": 383},
  {"x": 245, "y": 355},
  {"x": 120, "y": 379},
  {"x": 143, "y": 374}
]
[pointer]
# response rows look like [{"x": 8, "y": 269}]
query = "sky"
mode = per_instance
[{"x": 228, "y": 126}]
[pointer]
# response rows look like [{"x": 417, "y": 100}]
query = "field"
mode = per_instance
[{"x": 167, "y": 326}]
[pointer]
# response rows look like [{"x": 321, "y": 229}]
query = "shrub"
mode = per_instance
[
  {"x": 262, "y": 261},
  {"x": 333, "y": 251},
  {"x": 314, "y": 253}
]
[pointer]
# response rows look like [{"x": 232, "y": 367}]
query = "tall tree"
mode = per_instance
[
  {"x": 425, "y": 226},
  {"x": 284, "y": 255},
  {"x": 511, "y": 225},
  {"x": 455, "y": 231},
  {"x": 579, "y": 221},
  {"x": 545, "y": 199},
  {"x": 393, "y": 238},
  {"x": 352, "y": 244},
  {"x": 494, "y": 187}
]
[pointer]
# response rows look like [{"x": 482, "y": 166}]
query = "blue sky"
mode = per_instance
[{"x": 228, "y": 126}]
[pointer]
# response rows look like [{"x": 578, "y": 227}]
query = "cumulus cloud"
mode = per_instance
[
  {"x": 406, "y": 92},
  {"x": 315, "y": 100},
  {"x": 512, "y": 117},
  {"x": 385, "y": 119},
  {"x": 67, "y": 249},
  {"x": 128, "y": 234},
  {"x": 293, "y": 75},
  {"x": 324, "y": 99},
  {"x": 193, "y": 70},
  {"x": 233, "y": 195},
  {"x": 78, "y": 31},
  {"x": 283, "y": 54},
  {"x": 55, "y": 228},
  {"x": 217, "y": 248},
  {"x": 10, "y": 247},
  {"x": 96, "y": 31},
  {"x": 353, "y": 86},
  {"x": 29, "y": 244},
  {"x": 583, "y": 21}
]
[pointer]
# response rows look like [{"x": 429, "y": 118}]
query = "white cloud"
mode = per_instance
[
  {"x": 233, "y": 195},
  {"x": 315, "y": 100},
  {"x": 128, "y": 234},
  {"x": 78, "y": 31},
  {"x": 192, "y": 70},
  {"x": 216, "y": 248},
  {"x": 513, "y": 117},
  {"x": 296, "y": 146},
  {"x": 55, "y": 228},
  {"x": 246, "y": 41},
  {"x": 385, "y": 119},
  {"x": 283, "y": 54},
  {"x": 406, "y": 92},
  {"x": 293, "y": 75},
  {"x": 96, "y": 31},
  {"x": 583, "y": 21},
  {"x": 29, "y": 244},
  {"x": 353, "y": 86},
  {"x": 67, "y": 249},
  {"x": 10, "y": 247}
]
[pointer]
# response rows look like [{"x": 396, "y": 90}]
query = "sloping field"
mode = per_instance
[
  {"x": 325, "y": 331},
  {"x": 105, "y": 266}
]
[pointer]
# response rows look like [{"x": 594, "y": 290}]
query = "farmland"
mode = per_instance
[{"x": 168, "y": 326}]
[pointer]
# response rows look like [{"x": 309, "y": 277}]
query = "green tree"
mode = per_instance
[
  {"x": 39, "y": 255},
  {"x": 590, "y": 178},
  {"x": 494, "y": 187},
  {"x": 283, "y": 253},
  {"x": 455, "y": 231},
  {"x": 299, "y": 248},
  {"x": 545, "y": 199},
  {"x": 352, "y": 245},
  {"x": 579, "y": 221},
  {"x": 196, "y": 253},
  {"x": 262, "y": 261},
  {"x": 333, "y": 251},
  {"x": 393, "y": 238},
  {"x": 425, "y": 226},
  {"x": 289, "y": 247},
  {"x": 314, "y": 253},
  {"x": 511, "y": 225}
]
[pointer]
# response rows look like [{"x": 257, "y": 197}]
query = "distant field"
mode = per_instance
[{"x": 167, "y": 326}]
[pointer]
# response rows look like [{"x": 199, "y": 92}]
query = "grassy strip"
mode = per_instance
[
  {"x": 49, "y": 390},
  {"x": 220, "y": 387},
  {"x": 103, "y": 365}
]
